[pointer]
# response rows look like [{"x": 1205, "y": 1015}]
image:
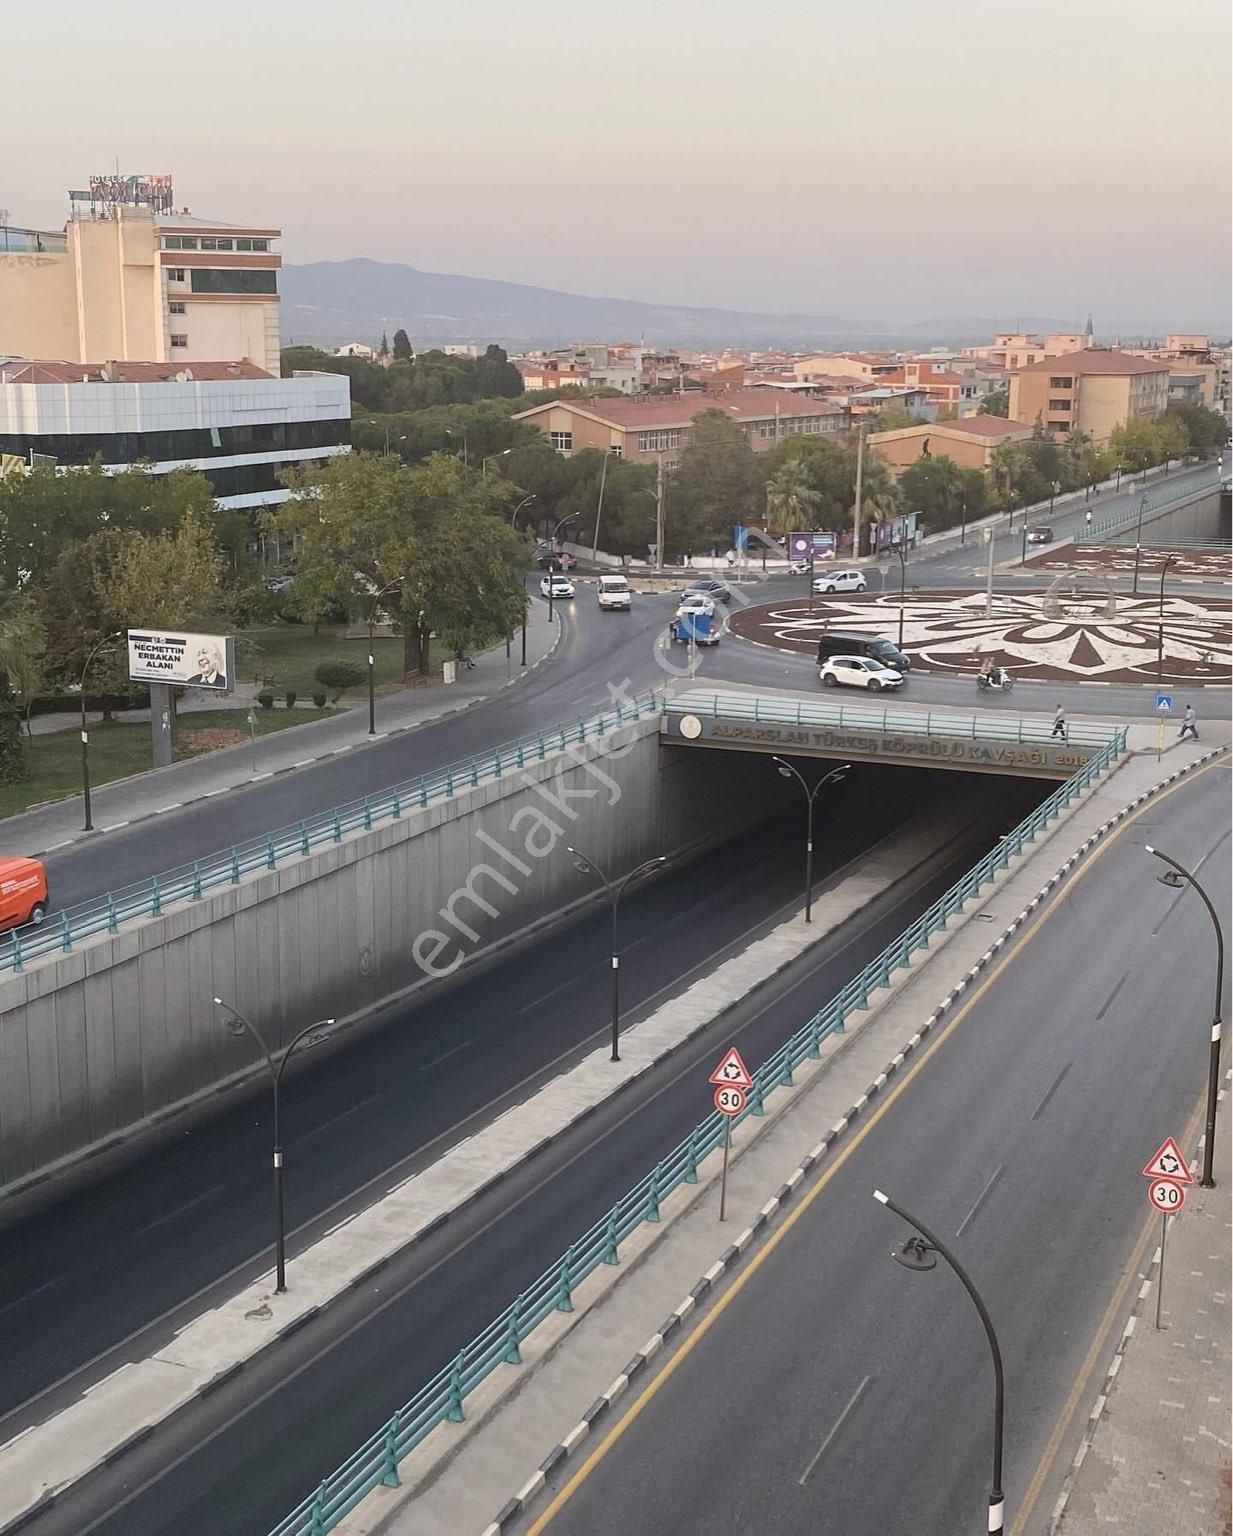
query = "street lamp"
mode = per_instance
[
  {"x": 513, "y": 517},
  {"x": 236, "y": 1025},
  {"x": 1177, "y": 877},
  {"x": 1054, "y": 487},
  {"x": 1164, "y": 571},
  {"x": 85, "y": 734},
  {"x": 402, "y": 439},
  {"x": 484, "y": 463},
  {"x": 462, "y": 432},
  {"x": 917, "y": 1254},
  {"x": 835, "y": 775},
  {"x": 903, "y": 581},
  {"x": 584, "y": 864},
  {"x": 552, "y": 546},
  {"x": 372, "y": 659},
  {"x": 1138, "y": 540}
]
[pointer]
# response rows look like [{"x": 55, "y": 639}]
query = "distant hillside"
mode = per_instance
[{"x": 335, "y": 301}]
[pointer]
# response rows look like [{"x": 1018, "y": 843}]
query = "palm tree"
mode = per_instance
[{"x": 790, "y": 497}]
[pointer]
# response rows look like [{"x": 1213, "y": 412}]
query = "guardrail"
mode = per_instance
[
  {"x": 907, "y": 722},
  {"x": 149, "y": 898},
  {"x": 443, "y": 1399},
  {"x": 1120, "y": 521}
]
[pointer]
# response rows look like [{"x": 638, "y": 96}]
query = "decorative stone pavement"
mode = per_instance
[
  {"x": 1119, "y": 560},
  {"x": 1093, "y": 635}
]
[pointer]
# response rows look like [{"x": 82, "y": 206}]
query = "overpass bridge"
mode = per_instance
[{"x": 749, "y": 721}]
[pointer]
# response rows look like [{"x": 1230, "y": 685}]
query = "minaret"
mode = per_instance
[{"x": 1087, "y": 331}]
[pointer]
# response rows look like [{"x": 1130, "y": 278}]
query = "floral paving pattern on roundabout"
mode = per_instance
[
  {"x": 1119, "y": 560},
  {"x": 1036, "y": 636}
]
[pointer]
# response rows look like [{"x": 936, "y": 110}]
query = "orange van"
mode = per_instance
[{"x": 23, "y": 891}]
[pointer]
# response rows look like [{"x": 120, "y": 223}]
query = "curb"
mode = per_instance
[
  {"x": 517, "y": 1506},
  {"x": 276, "y": 773},
  {"x": 1119, "y": 1354}
]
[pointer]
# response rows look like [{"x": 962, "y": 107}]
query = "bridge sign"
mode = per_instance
[
  {"x": 731, "y": 1072},
  {"x": 1164, "y": 703},
  {"x": 1168, "y": 1163},
  {"x": 1166, "y": 1196}
]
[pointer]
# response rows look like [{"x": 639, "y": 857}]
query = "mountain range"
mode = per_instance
[{"x": 359, "y": 300}]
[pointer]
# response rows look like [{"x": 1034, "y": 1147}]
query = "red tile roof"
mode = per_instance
[
  {"x": 981, "y": 426},
  {"x": 23, "y": 371},
  {"x": 1095, "y": 360},
  {"x": 657, "y": 411}
]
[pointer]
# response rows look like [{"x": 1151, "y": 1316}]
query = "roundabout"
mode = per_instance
[{"x": 1066, "y": 633}]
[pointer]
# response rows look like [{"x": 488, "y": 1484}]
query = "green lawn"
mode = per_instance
[
  {"x": 291, "y": 653},
  {"x": 53, "y": 761}
]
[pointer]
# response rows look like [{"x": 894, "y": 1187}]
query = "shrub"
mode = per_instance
[
  {"x": 319, "y": 700},
  {"x": 266, "y": 699},
  {"x": 338, "y": 676},
  {"x": 291, "y": 698}
]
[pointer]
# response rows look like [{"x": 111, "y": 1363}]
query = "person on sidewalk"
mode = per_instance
[
  {"x": 1190, "y": 725},
  {"x": 1059, "y": 722}
]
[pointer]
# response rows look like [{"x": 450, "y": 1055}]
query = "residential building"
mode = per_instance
[
  {"x": 969, "y": 442},
  {"x": 652, "y": 426},
  {"x": 129, "y": 278},
  {"x": 551, "y": 373},
  {"x": 355, "y": 349},
  {"x": 231, "y": 420},
  {"x": 868, "y": 402},
  {"x": 1021, "y": 349},
  {"x": 865, "y": 366},
  {"x": 1094, "y": 390}
]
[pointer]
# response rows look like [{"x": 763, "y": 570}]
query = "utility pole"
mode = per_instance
[
  {"x": 599, "y": 509},
  {"x": 860, "y": 467},
  {"x": 989, "y": 540},
  {"x": 659, "y": 514}
]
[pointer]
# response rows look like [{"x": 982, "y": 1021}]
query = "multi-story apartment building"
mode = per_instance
[
  {"x": 131, "y": 279},
  {"x": 1094, "y": 390},
  {"x": 653, "y": 425}
]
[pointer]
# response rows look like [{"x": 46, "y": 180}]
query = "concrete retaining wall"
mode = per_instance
[{"x": 124, "y": 1030}]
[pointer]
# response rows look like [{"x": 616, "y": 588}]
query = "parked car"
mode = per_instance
[
  {"x": 1040, "y": 534},
  {"x": 859, "y": 672},
  {"x": 851, "y": 580},
  {"x": 834, "y": 643},
  {"x": 719, "y": 590},
  {"x": 614, "y": 594},
  {"x": 23, "y": 891},
  {"x": 558, "y": 560},
  {"x": 556, "y": 586},
  {"x": 695, "y": 606}
]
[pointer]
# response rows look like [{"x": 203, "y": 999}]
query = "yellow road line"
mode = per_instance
[{"x": 686, "y": 1348}]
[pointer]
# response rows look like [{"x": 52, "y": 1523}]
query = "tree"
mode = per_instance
[
  {"x": 933, "y": 487},
  {"x": 402, "y": 347},
  {"x": 996, "y": 403},
  {"x": 1208, "y": 430},
  {"x": 21, "y": 650},
  {"x": 384, "y": 350},
  {"x": 1174, "y": 436},
  {"x": 1136, "y": 444},
  {"x": 894, "y": 418},
  {"x": 434, "y": 533},
  {"x": 791, "y": 499},
  {"x": 714, "y": 486},
  {"x": 496, "y": 376}
]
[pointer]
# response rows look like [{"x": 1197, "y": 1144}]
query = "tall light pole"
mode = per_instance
[
  {"x": 903, "y": 581},
  {"x": 1177, "y": 877},
  {"x": 484, "y": 463},
  {"x": 372, "y": 657},
  {"x": 917, "y": 1255},
  {"x": 587, "y": 865},
  {"x": 1138, "y": 540},
  {"x": 85, "y": 734},
  {"x": 834, "y": 776},
  {"x": 569, "y": 518},
  {"x": 237, "y": 1024},
  {"x": 513, "y": 517},
  {"x": 462, "y": 432},
  {"x": 1164, "y": 571}
]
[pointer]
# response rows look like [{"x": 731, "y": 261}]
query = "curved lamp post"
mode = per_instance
[
  {"x": 835, "y": 775},
  {"x": 237, "y": 1024},
  {"x": 917, "y": 1254},
  {"x": 85, "y": 734},
  {"x": 584, "y": 864},
  {"x": 1177, "y": 877},
  {"x": 462, "y": 432},
  {"x": 1164, "y": 571},
  {"x": 513, "y": 517},
  {"x": 390, "y": 586},
  {"x": 569, "y": 518},
  {"x": 484, "y": 463},
  {"x": 1138, "y": 540}
]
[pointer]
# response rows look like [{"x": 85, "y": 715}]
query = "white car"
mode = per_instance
[
  {"x": 614, "y": 594},
  {"x": 840, "y": 581},
  {"x": 697, "y": 604},
  {"x": 556, "y": 586},
  {"x": 859, "y": 672}
]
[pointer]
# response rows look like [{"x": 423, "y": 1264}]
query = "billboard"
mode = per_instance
[
  {"x": 188, "y": 661},
  {"x": 811, "y": 546}
]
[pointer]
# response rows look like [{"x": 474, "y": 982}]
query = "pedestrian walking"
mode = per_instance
[
  {"x": 1087, "y": 517},
  {"x": 1190, "y": 725},
  {"x": 1059, "y": 722}
]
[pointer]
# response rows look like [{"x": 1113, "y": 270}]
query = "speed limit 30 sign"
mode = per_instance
[
  {"x": 729, "y": 1100},
  {"x": 1166, "y": 1195}
]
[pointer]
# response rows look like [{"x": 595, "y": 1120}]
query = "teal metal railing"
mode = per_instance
[
  {"x": 1128, "y": 517},
  {"x": 443, "y": 1399},
  {"x": 902, "y": 720},
  {"x": 67, "y": 927}
]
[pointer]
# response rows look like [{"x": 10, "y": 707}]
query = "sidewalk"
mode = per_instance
[
  {"x": 1156, "y": 1455},
  {"x": 56, "y": 825}
]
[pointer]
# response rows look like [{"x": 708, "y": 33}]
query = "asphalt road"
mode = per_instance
[
  {"x": 197, "y": 1211},
  {"x": 241, "y": 1458},
  {"x": 834, "y": 1391}
]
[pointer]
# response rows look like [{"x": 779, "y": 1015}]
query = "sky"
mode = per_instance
[{"x": 891, "y": 161}]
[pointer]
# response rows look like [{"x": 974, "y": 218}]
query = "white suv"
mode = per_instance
[
  {"x": 840, "y": 581},
  {"x": 859, "y": 672}
]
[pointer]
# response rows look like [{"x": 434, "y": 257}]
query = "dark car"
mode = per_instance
[
  {"x": 560, "y": 561},
  {"x": 876, "y": 647},
  {"x": 1041, "y": 534},
  {"x": 718, "y": 591}
]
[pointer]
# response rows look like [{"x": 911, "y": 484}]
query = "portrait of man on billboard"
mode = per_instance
[{"x": 211, "y": 669}]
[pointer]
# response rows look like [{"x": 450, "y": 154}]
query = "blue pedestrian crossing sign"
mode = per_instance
[{"x": 1164, "y": 703}]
